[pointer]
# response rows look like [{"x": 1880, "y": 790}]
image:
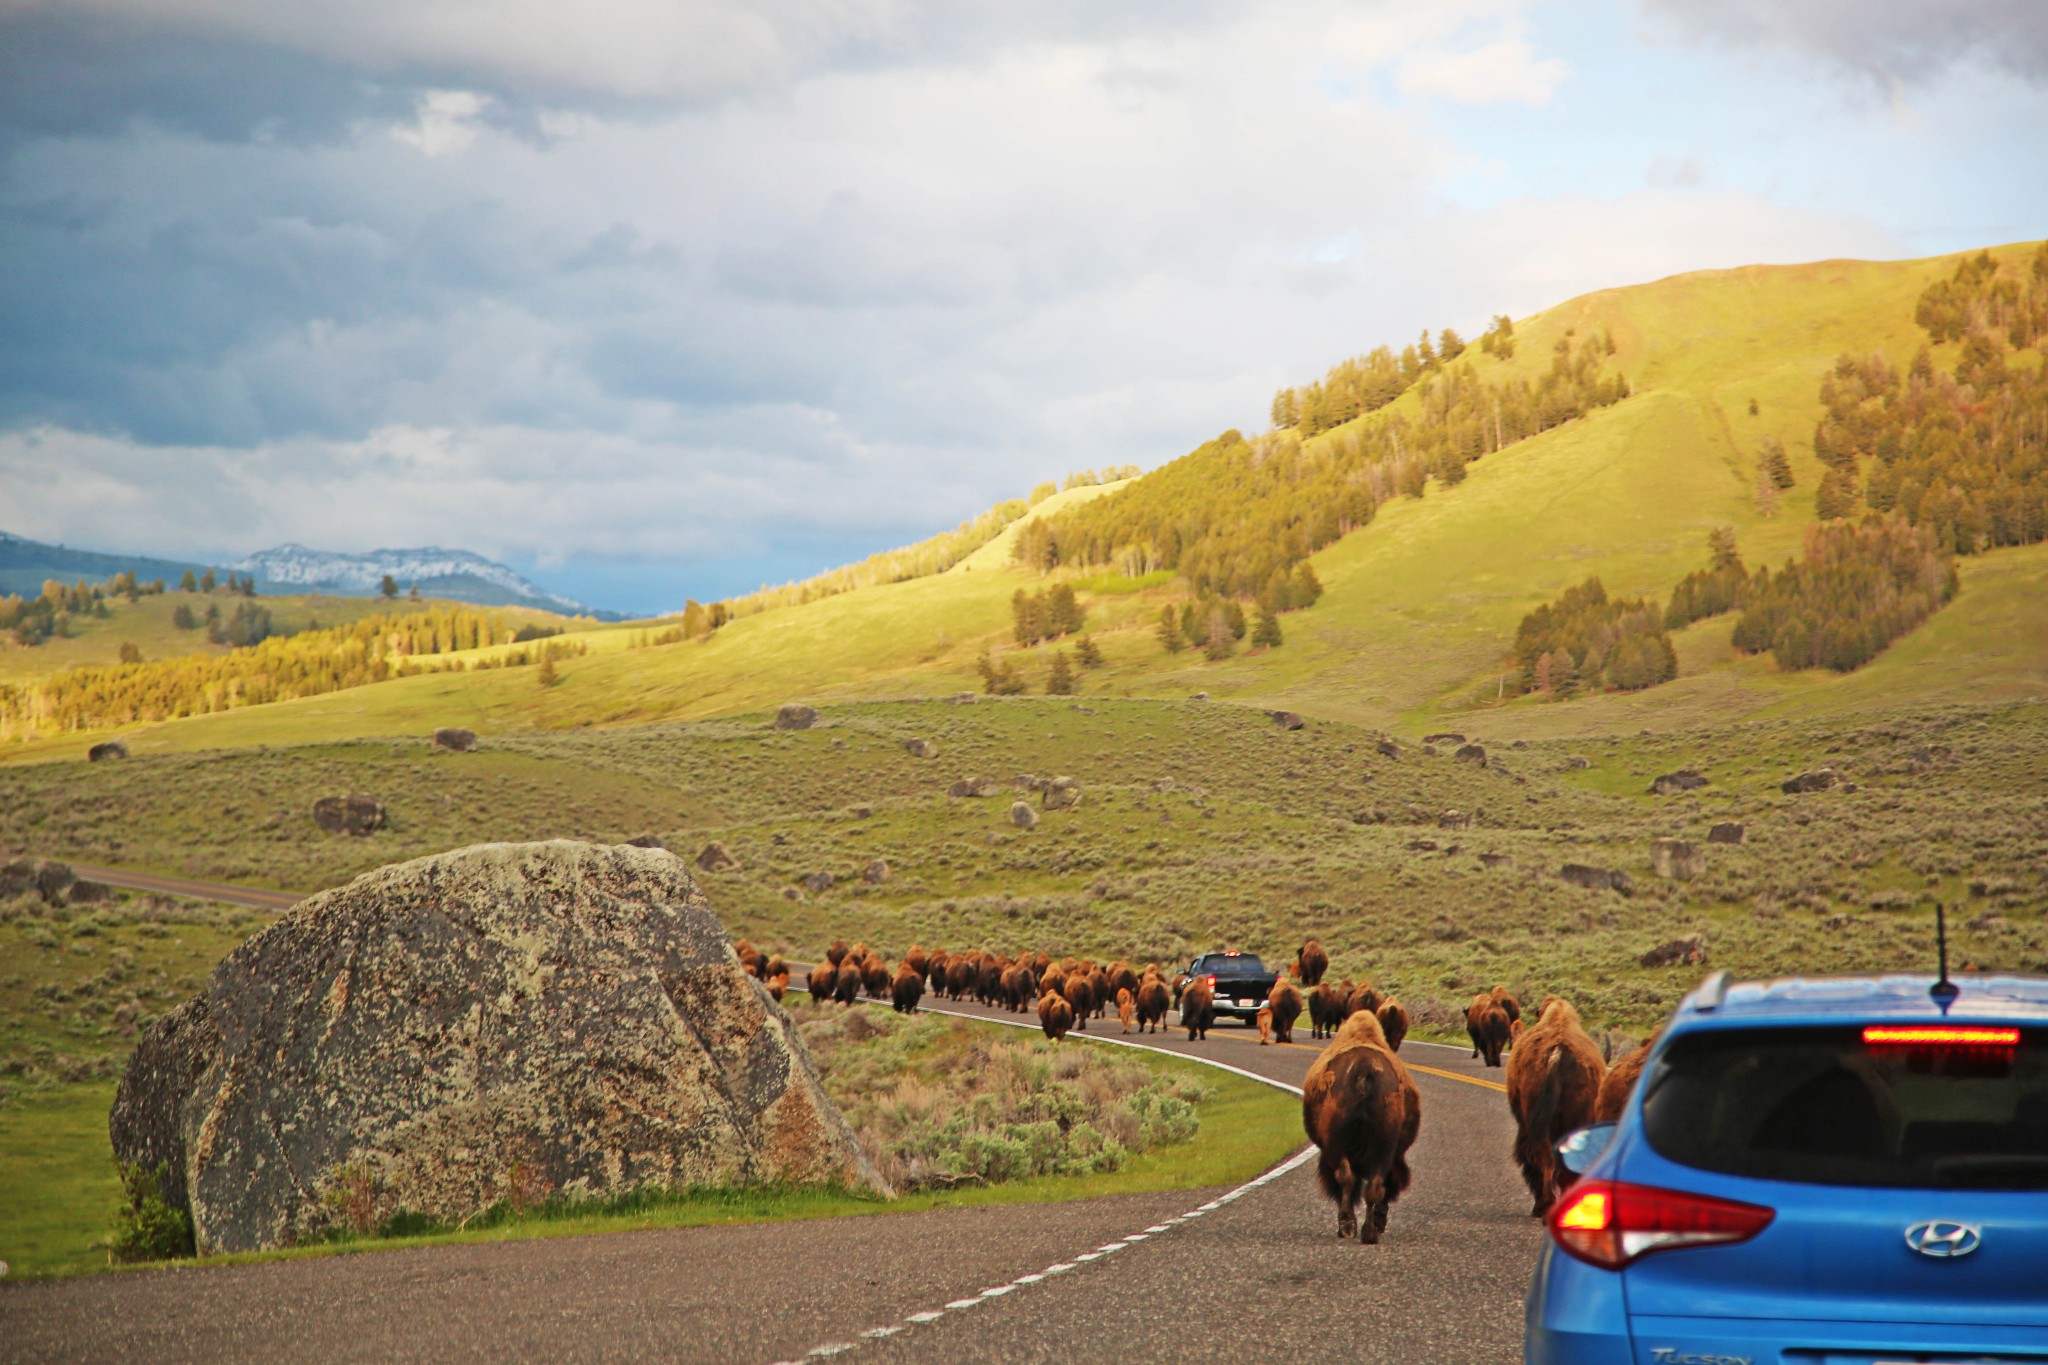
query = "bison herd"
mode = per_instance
[{"x": 1359, "y": 1104}]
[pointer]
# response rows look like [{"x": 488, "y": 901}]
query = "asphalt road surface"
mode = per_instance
[
  {"x": 256, "y": 896},
  {"x": 1250, "y": 1274}
]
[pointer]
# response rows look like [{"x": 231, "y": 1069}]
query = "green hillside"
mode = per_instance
[{"x": 1422, "y": 601}]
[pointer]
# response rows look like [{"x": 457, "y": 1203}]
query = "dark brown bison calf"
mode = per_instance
[
  {"x": 1486, "y": 1023},
  {"x": 1055, "y": 1015},
  {"x": 1553, "y": 1080},
  {"x": 1361, "y": 1109},
  {"x": 1198, "y": 1008}
]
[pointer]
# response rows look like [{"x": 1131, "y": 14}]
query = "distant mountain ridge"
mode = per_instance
[
  {"x": 439, "y": 572},
  {"x": 457, "y": 575}
]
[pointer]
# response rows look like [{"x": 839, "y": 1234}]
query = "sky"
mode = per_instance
[{"x": 656, "y": 299}]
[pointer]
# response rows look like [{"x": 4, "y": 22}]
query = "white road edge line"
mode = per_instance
[{"x": 957, "y": 1305}]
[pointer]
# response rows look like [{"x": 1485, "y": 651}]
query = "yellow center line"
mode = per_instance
[{"x": 1454, "y": 1076}]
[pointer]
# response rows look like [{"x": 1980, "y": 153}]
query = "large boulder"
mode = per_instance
[
  {"x": 1690, "y": 951},
  {"x": 1287, "y": 720},
  {"x": 108, "y": 749},
  {"x": 1819, "y": 780},
  {"x": 1062, "y": 793},
  {"x": 356, "y": 814},
  {"x": 1726, "y": 832},
  {"x": 567, "y": 1015},
  {"x": 1684, "y": 780},
  {"x": 920, "y": 748},
  {"x": 1597, "y": 878},
  {"x": 716, "y": 857},
  {"x": 973, "y": 787},
  {"x": 1471, "y": 753},
  {"x": 454, "y": 739},
  {"x": 790, "y": 716}
]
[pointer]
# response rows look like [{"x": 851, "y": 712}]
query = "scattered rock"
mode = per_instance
[
  {"x": 1454, "y": 819},
  {"x": 1022, "y": 816},
  {"x": 53, "y": 882},
  {"x": 716, "y": 857},
  {"x": 1287, "y": 720},
  {"x": 1471, "y": 753},
  {"x": 1690, "y": 951},
  {"x": 1389, "y": 748},
  {"x": 778, "y": 839},
  {"x": 356, "y": 814},
  {"x": 876, "y": 872},
  {"x": 1447, "y": 737},
  {"x": 1062, "y": 793},
  {"x": 1677, "y": 859},
  {"x": 407, "y": 1042},
  {"x": 1684, "y": 780},
  {"x": 973, "y": 787},
  {"x": 1577, "y": 763},
  {"x": 1519, "y": 744},
  {"x": 100, "y": 753},
  {"x": 964, "y": 698},
  {"x": 1423, "y": 845},
  {"x": 1025, "y": 782},
  {"x": 1429, "y": 750},
  {"x": 1199, "y": 696},
  {"x": 645, "y": 841},
  {"x": 83, "y": 892},
  {"x": 861, "y": 812},
  {"x": 790, "y": 716},
  {"x": 1495, "y": 860},
  {"x": 1727, "y": 832},
  {"x": 1084, "y": 710},
  {"x": 920, "y": 748},
  {"x": 1819, "y": 780},
  {"x": 460, "y": 741},
  {"x": 818, "y": 882},
  {"x": 1597, "y": 878}
]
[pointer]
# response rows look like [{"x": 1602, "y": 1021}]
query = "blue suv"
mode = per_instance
[{"x": 1842, "y": 1171}]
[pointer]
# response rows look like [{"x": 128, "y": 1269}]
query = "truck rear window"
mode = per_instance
[
  {"x": 1827, "y": 1107},
  {"x": 1244, "y": 964}
]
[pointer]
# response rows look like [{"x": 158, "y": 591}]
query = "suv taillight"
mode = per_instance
[{"x": 1609, "y": 1224}]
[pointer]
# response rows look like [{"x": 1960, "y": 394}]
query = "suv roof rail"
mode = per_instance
[{"x": 1712, "y": 991}]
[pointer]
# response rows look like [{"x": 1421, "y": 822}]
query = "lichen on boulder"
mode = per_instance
[{"x": 566, "y": 1016}]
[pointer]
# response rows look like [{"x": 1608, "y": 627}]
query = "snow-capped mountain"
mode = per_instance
[{"x": 457, "y": 574}]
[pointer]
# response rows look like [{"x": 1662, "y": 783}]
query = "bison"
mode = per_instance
[
  {"x": 846, "y": 986},
  {"x": 1198, "y": 1008},
  {"x": 1310, "y": 962},
  {"x": 906, "y": 990},
  {"x": 1080, "y": 993},
  {"x": 1620, "y": 1079},
  {"x": 1393, "y": 1022},
  {"x": 878, "y": 978},
  {"x": 837, "y": 952},
  {"x": 1553, "y": 1082},
  {"x": 1329, "y": 1005},
  {"x": 961, "y": 971},
  {"x": 1055, "y": 1015},
  {"x": 823, "y": 980},
  {"x": 1361, "y": 1109},
  {"x": 1126, "y": 1008},
  {"x": 778, "y": 983},
  {"x": 1364, "y": 1000},
  {"x": 1020, "y": 988},
  {"x": 1486, "y": 1023},
  {"x": 1285, "y": 1002},
  {"x": 917, "y": 959},
  {"x": 1153, "y": 998}
]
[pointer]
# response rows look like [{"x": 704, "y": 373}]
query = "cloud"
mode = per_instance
[
  {"x": 446, "y": 123},
  {"x": 1890, "y": 41},
  {"x": 1507, "y": 71}
]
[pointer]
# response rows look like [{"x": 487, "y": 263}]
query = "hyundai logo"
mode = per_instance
[{"x": 1942, "y": 1239}]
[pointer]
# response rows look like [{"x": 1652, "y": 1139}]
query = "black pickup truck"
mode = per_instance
[{"x": 1240, "y": 980}]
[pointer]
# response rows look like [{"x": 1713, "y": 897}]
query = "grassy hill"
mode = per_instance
[{"x": 1421, "y": 603}]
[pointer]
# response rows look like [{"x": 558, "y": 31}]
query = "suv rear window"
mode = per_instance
[
  {"x": 1822, "y": 1107},
  {"x": 1244, "y": 964}
]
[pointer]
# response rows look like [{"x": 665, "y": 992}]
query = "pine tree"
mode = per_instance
[
  {"x": 1266, "y": 634},
  {"x": 130, "y": 654},
  {"x": 1086, "y": 653},
  {"x": 206, "y": 581},
  {"x": 545, "y": 677},
  {"x": 1169, "y": 631},
  {"x": 1836, "y": 496},
  {"x": 387, "y": 588},
  {"x": 1776, "y": 463},
  {"x": 183, "y": 618},
  {"x": 189, "y": 583},
  {"x": 1219, "y": 642},
  {"x": 1059, "y": 678}
]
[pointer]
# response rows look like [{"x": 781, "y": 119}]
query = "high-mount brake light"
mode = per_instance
[
  {"x": 1939, "y": 1035},
  {"x": 1609, "y": 1223}
]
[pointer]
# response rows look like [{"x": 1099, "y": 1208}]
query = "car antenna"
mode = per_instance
[{"x": 1944, "y": 991}]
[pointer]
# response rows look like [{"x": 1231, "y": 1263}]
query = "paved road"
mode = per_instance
[
  {"x": 223, "y": 892},
  {"x": 1256, "y": 1274}
]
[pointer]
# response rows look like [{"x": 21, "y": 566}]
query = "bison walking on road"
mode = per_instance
[
  {"x": 1393, "y": 1022},
  {"x": 1055, "y": 1015},
  {"x": 1329, "y": 1005},
  {"x": 1619, "y": 1080},
  {"x": 823, "y": 979},
  {"x": 1486, "y": 1023},
  {"x": 1362, "y": 1110},
  {"x": 1198, "y": 1008},
  {"x": 1310, "y": 962},
  {"x": 1285, "y": 1002},
  {"x": 1553, "y": 1081},
  {"x": 1153, "y": 998}
]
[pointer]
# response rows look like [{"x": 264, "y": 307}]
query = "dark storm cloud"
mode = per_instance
[{"x": 1888, "y": 40}]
